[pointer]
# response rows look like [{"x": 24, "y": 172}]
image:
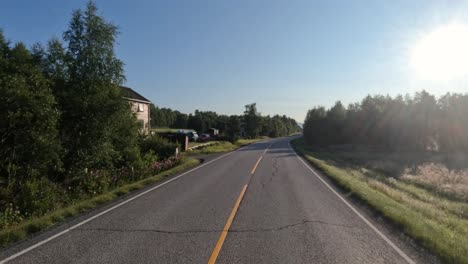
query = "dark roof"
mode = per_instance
[{"x": 129, "y": 93}]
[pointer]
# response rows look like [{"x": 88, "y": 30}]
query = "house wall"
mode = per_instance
[{"x": 143, "y": 115}]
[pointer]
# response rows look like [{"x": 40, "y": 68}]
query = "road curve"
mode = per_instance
[{"x": 259, "y": 204}]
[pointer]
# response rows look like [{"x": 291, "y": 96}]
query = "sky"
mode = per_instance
[{"x": 287, "y": 56}]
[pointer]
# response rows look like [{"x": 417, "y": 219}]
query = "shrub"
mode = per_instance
[
  {"x": 159, "y": 166},
  {"x": 91, "y": 182},
  {"x": 37, "y": 196},
  {"x": 10, "y": 216},
  {"x": 159, "y": 146}
]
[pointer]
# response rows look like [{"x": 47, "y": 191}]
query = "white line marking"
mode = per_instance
[
  {"x": 385, "y": 238},
  {"x": 106, "y": 211}
]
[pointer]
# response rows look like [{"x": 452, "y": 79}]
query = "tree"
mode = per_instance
[
  {"x": 195, "y": 121},
  {"x": 29, "y": 144},
  {"x": 417, "y": 123},
  {"x": 98, "y": 129},
  {"x": 181, "y": 120},
  {"x": 313, "y": 125},
  {"x": 452, "y": 127},
  {"x": 201, "y": 121},
  {"x": 251, "y": 120},
  {"x": 233, "y": 127},
  {"x": 221, "y": 123},
  {"x": 335, "y": 123}
]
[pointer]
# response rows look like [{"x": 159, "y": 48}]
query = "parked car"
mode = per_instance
[
  {"x": 192, "y": 135},
  {"x": 204, "y": 138},
  {"x": 214, "y": 133}
]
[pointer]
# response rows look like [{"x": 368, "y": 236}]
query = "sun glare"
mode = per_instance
[{"x": 441, "y": 55}]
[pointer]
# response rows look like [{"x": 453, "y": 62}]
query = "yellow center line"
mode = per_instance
[
  {"x": 222, "y": 237},
  {"x": 259, "y": 159},
  {"x": 267, "y": 149},
  {"x": 256, "y": 164},
  {"x": 224, "y": 233}
]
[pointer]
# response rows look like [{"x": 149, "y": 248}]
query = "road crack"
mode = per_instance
[
  {"x": 303, "y": 222},
  {"x": 274, "y": 173},
  {"x": 148, "y": 230},
  {"x": 197, "y": 231}
]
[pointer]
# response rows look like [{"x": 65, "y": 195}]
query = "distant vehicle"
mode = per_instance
[
  {"x": 204, "y": 138},
  {"x": 213, "y": 132},
  {"x": 192, "y": 135}
]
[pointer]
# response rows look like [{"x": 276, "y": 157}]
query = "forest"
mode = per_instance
[
  {"x": 420, "y": 122},
  {"x": 252, "y": 121}
]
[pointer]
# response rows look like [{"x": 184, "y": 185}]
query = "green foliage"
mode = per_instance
[
  {"x": 91, "y": 49},
  {"x": 453, "y": 122},
  {"x": 63, "y": 122},
  {"x": 17, "y": 228},
  {"x": 252, "y": 124},
  {"x": 233, "y": 128},
  {"x": 10, "y": 216},
  {"x": 37, "y": 196},
  {"x": 419, "y": 123},
  {"x": 29, "y": 145},
  {"x": 98, "y": 130},
  {"x": 162, "y": 147},
  {"x": 165, "y": 117},
  {"x": 278, "y": 126},
  {"x": 251, "y": 121},
  {"x": 92, "y": 182},
  {"x": 201, "y": 121}
]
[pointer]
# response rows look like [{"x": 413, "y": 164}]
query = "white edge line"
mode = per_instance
[
  {"x": 108, "y": 210},
  {"x": 384, "y": 237}
]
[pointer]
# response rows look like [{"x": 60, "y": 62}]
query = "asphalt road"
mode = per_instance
[{"x": 259, "y": 204}]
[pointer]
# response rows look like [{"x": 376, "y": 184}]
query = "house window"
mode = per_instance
[{"x": 141, "y": 108}]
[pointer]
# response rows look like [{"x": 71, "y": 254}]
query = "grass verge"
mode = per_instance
[
  {"x": 438, "y": 223},
  {"x": 243, "y": 142},
  {"x": 194, "y": 144},
  {"x": 34, "y": 225},
  {"x": 223, "y": 146}
]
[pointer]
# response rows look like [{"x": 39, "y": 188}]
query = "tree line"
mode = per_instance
[
  {"x": 251, "y": 124},
  {"x": 420, "y": 122}
]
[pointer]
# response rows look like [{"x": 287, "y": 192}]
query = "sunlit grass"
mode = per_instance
[
  {"x": 224, "y": 146},
  {"x": 249, "y": 141},
  {"x": 194, "y": 144}
]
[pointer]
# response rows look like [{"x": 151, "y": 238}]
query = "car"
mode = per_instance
[
  {"x": 204, "y": 138},
  {"x": 192, "y": 135}
]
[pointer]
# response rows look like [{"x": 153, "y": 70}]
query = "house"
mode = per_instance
[{"x": 140, "y": 106}]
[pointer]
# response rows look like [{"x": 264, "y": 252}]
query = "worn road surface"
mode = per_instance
[{"x": 259, "y": 204}]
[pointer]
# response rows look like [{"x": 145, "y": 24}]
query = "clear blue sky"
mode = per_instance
[{"x": 287, "y": 56}]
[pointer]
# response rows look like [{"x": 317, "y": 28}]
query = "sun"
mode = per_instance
[{"x": 442, "y": 54}]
